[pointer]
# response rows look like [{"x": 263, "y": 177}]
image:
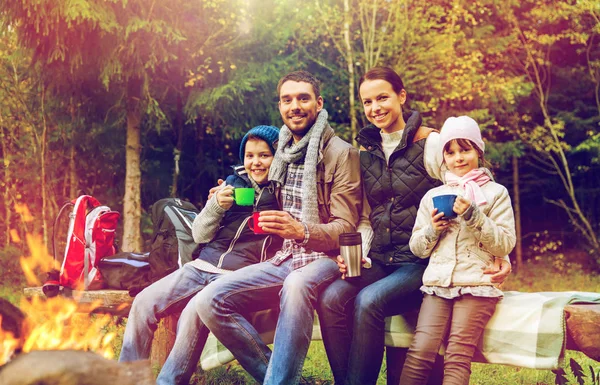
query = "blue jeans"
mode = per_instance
[
  {"x": 352, "y": 315},
  {"x": 222, "y": 306},
  {"x": 167, "y": 296}
]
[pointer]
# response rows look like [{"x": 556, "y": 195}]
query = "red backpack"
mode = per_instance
[{"x": 90, "y": 237}]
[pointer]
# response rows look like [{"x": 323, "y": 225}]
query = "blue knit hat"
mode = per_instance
[{"x": 269, "y": 134}]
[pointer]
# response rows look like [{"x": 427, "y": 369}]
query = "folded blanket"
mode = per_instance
[{"x": 527, "y": 330}]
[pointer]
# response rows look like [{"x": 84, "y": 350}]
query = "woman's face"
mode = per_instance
[{"x": 383, "y": 107}]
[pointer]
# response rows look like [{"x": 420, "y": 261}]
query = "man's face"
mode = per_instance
[{"x": 299, "y": 107}]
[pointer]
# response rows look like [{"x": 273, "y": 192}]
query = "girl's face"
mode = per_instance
[
  {"x": 383, "y": 106},
  {"x": 460, "y": 160},
  {"x": 257, "y": 160}
]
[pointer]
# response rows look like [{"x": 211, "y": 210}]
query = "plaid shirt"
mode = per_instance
[{"x": 291, "y": 196}]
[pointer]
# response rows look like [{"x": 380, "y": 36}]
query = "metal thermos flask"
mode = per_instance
[{"x": 351, "y": 251}]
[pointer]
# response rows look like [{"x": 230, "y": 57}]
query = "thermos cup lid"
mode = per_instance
[{"x": 350, "y": 239}]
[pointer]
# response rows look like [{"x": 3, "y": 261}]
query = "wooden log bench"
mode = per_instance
[{"x": 582, "y": 330}]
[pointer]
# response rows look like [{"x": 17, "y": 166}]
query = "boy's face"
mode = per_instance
[
  {"x": 299, "y": 107},
  {"x": 257, "y": 160}
]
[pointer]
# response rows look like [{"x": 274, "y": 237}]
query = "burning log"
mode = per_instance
[
  {"x": 12, "y": 318},
  {"x": 12, "y": 321},
  {"x": 72, "y": 367}
]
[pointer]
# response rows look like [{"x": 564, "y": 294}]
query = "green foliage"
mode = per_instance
[
  {"x": 11, "y": 274},
  {"x": 207, "y": 71},
  {"x": 501, "y": 153},
  {"x": 577, "y": 374}
]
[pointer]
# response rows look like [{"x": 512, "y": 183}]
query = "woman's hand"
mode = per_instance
[
  {"x": 342, "y": 265},
  {"x": 225, "y": 197},
  {"x": 439, "y": 224}
]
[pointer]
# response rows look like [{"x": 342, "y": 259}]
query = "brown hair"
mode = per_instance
[
  {"x": 384, "y": 73},
  {"x": 466, "y": 144},
  {"x": 301, "y": 76}
]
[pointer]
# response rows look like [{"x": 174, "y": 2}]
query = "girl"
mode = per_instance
[{"x": 459, "y": 298}]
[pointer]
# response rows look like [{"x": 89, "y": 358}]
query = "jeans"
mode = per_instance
[
  {"x": 463, "y": 320},
  {"x": 352, "y": 315},
  {"x": 222, "y": 306},
  {"x": 167, "y": 296}
]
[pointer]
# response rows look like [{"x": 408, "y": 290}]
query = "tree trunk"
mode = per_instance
[
  {"x": 177, "y": 151},
  {"x": 517, "y": 210},
  {"x": 43, "y": 169},
  {"x": 132, "y": 211},
  {"x": 350, "y": 62},
  {"x": 6, "y": 181},
  {"x": 71, "y": 179}
]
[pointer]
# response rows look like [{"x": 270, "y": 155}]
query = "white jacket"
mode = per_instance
[{"x": 461, "y": 253}]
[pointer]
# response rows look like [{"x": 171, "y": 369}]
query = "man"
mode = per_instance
[
  {"x": 320, "y": 193},
  {"x": 230, "y": 245}
]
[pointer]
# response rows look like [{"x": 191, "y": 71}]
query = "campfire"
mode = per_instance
[{"x": 55, "y": 337}]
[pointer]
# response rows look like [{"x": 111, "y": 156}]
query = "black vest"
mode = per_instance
[
  {"x": 235, "y": 245},
  {"x": 394, "y": 192}
]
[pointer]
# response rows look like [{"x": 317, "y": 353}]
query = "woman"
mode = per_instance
[{"x": 400, "y": 162}]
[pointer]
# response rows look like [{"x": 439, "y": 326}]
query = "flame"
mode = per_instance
[
  {"x": 58, "y": 322},
  {"x": 39, "y": 259},
  {"x": 61, "y": 323}
]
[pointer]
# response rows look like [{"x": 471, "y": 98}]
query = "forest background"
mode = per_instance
[{"x": 136, "y": 100}]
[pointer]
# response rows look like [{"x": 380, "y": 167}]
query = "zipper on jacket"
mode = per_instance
[
  {"x": 233, "y": 241},
  {"x": 265, "y": 246},
  {"x": 258, "y": 199}
]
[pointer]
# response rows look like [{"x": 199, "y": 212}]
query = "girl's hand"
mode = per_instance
[
  {"x": 439, "y": 224},
  {"x": 461, "y": 204},
  {"x": 225, "y": 197}
]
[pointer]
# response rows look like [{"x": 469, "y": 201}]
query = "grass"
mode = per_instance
[{"x": 550, "y": 274}]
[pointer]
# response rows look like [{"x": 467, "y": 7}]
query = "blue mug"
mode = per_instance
[{"x": 444, "y": 204}]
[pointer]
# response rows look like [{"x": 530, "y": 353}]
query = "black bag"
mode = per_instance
[
  {"x": 126, "y": 271},
  {"x": 172, "y": 242}
]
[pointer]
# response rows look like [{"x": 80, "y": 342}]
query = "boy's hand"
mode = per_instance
[
  {"x": 225, "y": 197},
  {"x": 439, "y": 224},
  {"x": 213, "y": 190},
  {"x": 461, "y": 204}
]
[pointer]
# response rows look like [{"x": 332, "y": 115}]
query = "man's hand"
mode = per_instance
[
  {"x": 213, "y": 190},
  {"x": 439, "y": 224},
  {"x": 499, "y": 271},
  {"x": 225, "y": 197},
  {"x": 461, "y": 204},
  {"x": 281, "y": 223}
]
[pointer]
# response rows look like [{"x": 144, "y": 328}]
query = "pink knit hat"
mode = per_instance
[{"x": 462, "y": 127}]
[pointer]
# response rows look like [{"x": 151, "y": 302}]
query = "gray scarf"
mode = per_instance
[{"x": 289, "y": 152}]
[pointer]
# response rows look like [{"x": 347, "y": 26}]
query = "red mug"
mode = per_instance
[{"x": 253, "y": 223}]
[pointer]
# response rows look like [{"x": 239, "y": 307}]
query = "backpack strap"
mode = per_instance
[{"x": 422, "y": 133}]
